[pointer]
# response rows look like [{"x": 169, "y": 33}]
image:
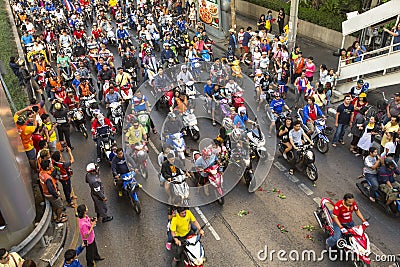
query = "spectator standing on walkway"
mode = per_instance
[
  {"x": 310, "y": 69},
  {"x": 391, "y": 126},
  {"x": 97, "y": 192},
  {"x": 15, "y": 68},
  {"x": 65, "y": 172},
  {"x": 344, "y": 118},
  {"x": 71, "y": 257},
  {"x": 245, "y": 42},
  {"x": 281, "y": 20},
  {"x": 240, "y": 38},
  {"x": 270, "y": 20},
  {"x": 357, "y": 50},
  {"x": 232, "y": 40},
  {"x": 395, "y": 32},
  {"x": 261, "y": 22},
  {"x": 192, "y": 14},
  {"x": 393, "y": 109},
  {"x": 357, "y": 130},
  {"x": 370, "y": 130},
  {"x": 10, "y": 259},
  {"x": 86, "y": 229}
]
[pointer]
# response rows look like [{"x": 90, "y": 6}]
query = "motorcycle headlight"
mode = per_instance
[
  {"x": 107, "y": 146},
  {"x": 310, "y": 155},
  {"x": 198, "y": 261},
  {"x": 213, "y": 172},
  {"x": 261, "y": 143}
]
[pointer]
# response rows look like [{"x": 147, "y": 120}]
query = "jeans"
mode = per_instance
[
  {"x": 337, "y": 233},
  {"x": 92, "y": 254},
  {"x": 339, "y": 134},
  {"x": 66, "y": 185},
  {"x": 169, "y": 235},
  {"x": 373, "y": 181}
]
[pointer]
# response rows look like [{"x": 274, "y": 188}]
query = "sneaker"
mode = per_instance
[
  {"x": 334, "y": 144},
  {"x": 98, "y": 160},
  {"x": 357, "y": 155},
  {"x": 107, "y": 219},
  {"x": 168, "y": 245}
]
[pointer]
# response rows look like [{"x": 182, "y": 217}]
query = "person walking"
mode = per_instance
[
  {"x": 97, "y": 192},
  {"x": 344, "y": 118},
  {"x": 86, "y": 229}
]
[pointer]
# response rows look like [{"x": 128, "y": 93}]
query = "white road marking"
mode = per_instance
[
  {"x": 280, "y": 166},
  {"x": 292, "y": 178},
  {"x": 153, "y": 147},
  {"x": 317, "y": 200},
  {"x": 203, "y": 217},
  {"x": 376, "y": 250},
  {"x": 305, "y": 189}
]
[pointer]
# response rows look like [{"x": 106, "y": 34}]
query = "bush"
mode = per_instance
[{"x": 319, "y": 17}]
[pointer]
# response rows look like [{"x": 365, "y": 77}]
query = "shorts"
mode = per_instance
[
  {"x": 310, "y": 79},
  {"x": 31, "y": 154},
  {"x": 52, "y": 146},
  {"x": 55, "y": 203},
  {"x": 283, "y": 87},
  {"x": 274, "y": 117},
  {"x": 246, "y": 49},
  {"x": 310, "y": 126}
]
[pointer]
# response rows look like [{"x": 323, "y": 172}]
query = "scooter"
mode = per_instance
[
  {"x": 131, "y": 187},
  {"x": 356, "y": 241},
  {"x": 89, "y": 104},
  {"x": 140, "y": 158},
  {"x": 177, "y": 142},
  {"x": 191, "y": 92},
  {"x": 133, "y": 74},
  {"x": 241, "y": 159},
  {"x": 305, "y": 161},
  {"x": 190, "y": 124},
  {"x": 116, "y": 115},
  {"x": 144, "y": 119},
  {"x": 257, "y": 142},
  {"x": 78, "y": 119},
  {"x": 180, "y": 188},
  {"x": 195, "y": 66},
  {"x": 126, "y": 94},
  {"x": 216, "y": 180},
  {"x": 394, "y": 209},
  {"x": 237, "y": 99},
  {"x": 318, "y": 136},
  {"x": 106, "y": 142},
  {"x": 193, "y": 251}
]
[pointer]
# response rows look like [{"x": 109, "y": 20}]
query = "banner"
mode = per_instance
[{"x": 208, "y": 12}]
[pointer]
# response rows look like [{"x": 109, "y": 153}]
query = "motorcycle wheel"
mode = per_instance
[
  {"x": 322, "y": 146},
  {"x": 136, "y": 205},
  {"x": 195, "y": 135},
  {"x": 84, "y": 131},
  {"x": 143, "y": 172},
  {"x": 248, "y": 177},
  {"x": 262, "y": 154},
  {"x": 361, "y": 264},
  {"x": 311, "y": 172},
  {"x": 220, "y": 199},
  {"x": 363, "y": 186}
]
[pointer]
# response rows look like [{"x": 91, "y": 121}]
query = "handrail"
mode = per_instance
[
  {"x": 33, "y": 238},
  {"x": 367, "y": 53}
]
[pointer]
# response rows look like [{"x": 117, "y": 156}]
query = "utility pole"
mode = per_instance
[
  {"x": 233, "y": 14},
  {"x": 293, "y": 19}
]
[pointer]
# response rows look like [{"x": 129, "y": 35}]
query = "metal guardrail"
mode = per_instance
[{"x": 33, "y": 238}]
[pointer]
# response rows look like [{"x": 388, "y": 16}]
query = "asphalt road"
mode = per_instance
[{"x": 139, "y": 240}]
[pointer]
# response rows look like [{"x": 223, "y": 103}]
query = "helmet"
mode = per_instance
[
  {"x": 21, "y": 120},
  {"x": 148, "y": 50},
  {"x": 96, "y": 112},
  {"x": 171, "y": 115},
  {"x": 390, "y": 163},
  {"x": 242, "y": 110},
  {"x": 258, "y": 72},
  {"x": 196, "y": 155},
  {"x": 91, "y": 167},
  {"x": 227, "y": 123},
  {"x": 277, "y": 94},
  {"x": 206, "y": 152},
  {"x": 236, "y": 135},
  {"x": 183, "y": 67},
  {"x": 363, "y": 95},
  {"x": 100, "y": 119},
  {"x": 57, "y": 106}
]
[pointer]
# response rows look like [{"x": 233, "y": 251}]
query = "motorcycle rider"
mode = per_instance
[
  {"x": 387, "y": 182},
  {"x": 184, "y": 75},
  {"x": 136, "y": 134},
  {"x": 122, "y": 78},
  {"x": 60, "y": 113},
  {"x": 111, "y": 97},
  {"x": 119, "y": 166},
  {"x": 206, "y": 160},
  {"x": 100, "y": 122},
  {"x": 149, "y": 62},
  {"x": 167, "y": 54},
  {"x": 63, "y": 63},
  {"x": 97, "y": 192},
  {"x": 241, "y": 118},
  {"x": 71, "y": 101},
  {"x": 311, "y": 111},
  {"x": 84, "y": 89},
  {"x": 180, "y": 228},
  {"x": 343, "y": 219},
  {"x": 121, "y": 33},
  {"x": 283, "y": 134},
  {"x": 169, "y": 170},
  {"x": 276, "y": 106},
  {"x": 172, "y": 125},
  {"x": 130, "y": 61},
  {"x": 140, "y": 103},
  {"x": 65, "y": 39},
  {"x": 370, "y": 171},
  {"x": 79, "y": 50},
  {"x": 217, "y": 71},
  {"x": 106, "y": 74},
  {"x": 296, "y": 136},
  {"x": 162, "y": 81}
]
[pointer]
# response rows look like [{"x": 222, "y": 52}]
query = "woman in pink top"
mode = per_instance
[
  {"x": 86, "y": 228},
  {"x": 310, "y": 69}
]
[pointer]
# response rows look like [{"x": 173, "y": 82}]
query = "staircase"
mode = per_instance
[{"x": 379, "y": 67}]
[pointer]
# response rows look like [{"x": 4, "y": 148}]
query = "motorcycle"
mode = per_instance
[
  {"x": 241, "y": 160},
  {"x": 52, "y": 47},
  {"x": 237, "y": 99},
  {"x": 180, "y": 188},
  {"x": 182, "y": 46},
  {"x": 190, "y": 124},
  {"x": 225, "y": 108},
  {"x": 89, "y": 103},
  {"x": 110, "y": 35},
  {"x": 177, "y": 143},
  {"x": 305, "y": 161},
  {"x": 195, "y": 66},
  {"x": 257, "y": 142},
  {"x": 116, "y": 115},
  {"x": 380, "y": 198},
  {"x": 131, "y": 187},
  {"x": 78, "y": 119},
  {"x": 106, "y": 142},
  {"x": 131, "y": 71},
  {"x": 140, "y": 158},
  {"x": 144, "y": 119},
  {"x": 216, "y": 180},
  {"x": 356, "y": 241},
  {"x": 318, "y": 136},
  {"x": 126, "y": 94},
  {"x": 191, "y": 92},
  {"x": 193, "y": 251}
]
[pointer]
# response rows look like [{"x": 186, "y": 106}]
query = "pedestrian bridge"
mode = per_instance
[{"x": 380, "y": 67}]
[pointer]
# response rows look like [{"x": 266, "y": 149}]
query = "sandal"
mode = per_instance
[
  {"x": 342, "y": 142},
  {"x": 62, "y": 220},
  {"x": 291, "y": 171},
  {"x": 154, "y": 131},
  {"x": 71, "y": 205}
]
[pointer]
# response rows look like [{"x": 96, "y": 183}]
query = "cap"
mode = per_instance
[
  {"x": 170, "y": 156},
  {"x": 360, "y": 82},
  {"x": 264, "y": 53},
  {"x": 397, "y": 94},
  {"x": 363, "y": 95},
  {"x": 231, "y": 30}
]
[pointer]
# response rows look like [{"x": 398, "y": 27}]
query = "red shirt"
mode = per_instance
[
  {"x": 344, "y": 213},
  {"x": 79, "y": 34},
  {"x": 96, "y": 33},
  {"x": 312, "y": 112},
  {"x": 36, "y": 138},
  {"x": 70, "y": 104}
]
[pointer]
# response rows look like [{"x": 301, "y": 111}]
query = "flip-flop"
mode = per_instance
[{"x": 62, "y": 220}]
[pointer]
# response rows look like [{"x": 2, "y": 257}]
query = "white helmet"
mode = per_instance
[
  {"x": 227, "y": 123},
  {"x": 91, "y": 167},
  {"x": 100, "y": 119},
  {"x": 242, "y": 110},
  {"x": 236, "y": 135}
]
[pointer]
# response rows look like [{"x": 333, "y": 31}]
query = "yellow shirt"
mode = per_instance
[
  {"x": 388, "y": 128},
  {"x": 181, "y": 225},
  {"x": 319, "y": 99},
  {"x": 122, "y": 79},
  {"x": 53, "y": 136},
  {"x": 113, "y": 3},
  {"x": 135, "y": 135},
  {"x": 13, "y": 256},
  {"x": 25, "y": 132}
]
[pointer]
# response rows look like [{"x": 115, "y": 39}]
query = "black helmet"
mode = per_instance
[{"x": 390, "y": 163}]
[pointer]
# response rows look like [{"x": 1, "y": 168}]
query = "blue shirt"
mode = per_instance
[
  {"x": 277, "y": 105},
  {"x": 76, "y": 262},
  {"x": 111, "y": 98},
  {"x": 240, "y": 120},
  {"x": 139, "y": 104},
  {"x": 246, "y": 39},
  {"x": 181, "y": 25},
  {"x": 76, "y": 83},
  {"x": 385, "y": 174},
  {"x": 27, "y": 39},
  {"x": 208, "y": 89}
]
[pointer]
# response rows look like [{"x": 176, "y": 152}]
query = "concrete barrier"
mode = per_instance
[{"x": 318, "y": 33}]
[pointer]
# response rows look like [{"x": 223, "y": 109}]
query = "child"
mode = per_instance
[
  {"x": 240, "y": 38},
  {"x": 71, "y": 257},
  {"x": 271, "y": 20}
]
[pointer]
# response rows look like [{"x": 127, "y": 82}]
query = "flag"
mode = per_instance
[{"x": 68, "y": 4}]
